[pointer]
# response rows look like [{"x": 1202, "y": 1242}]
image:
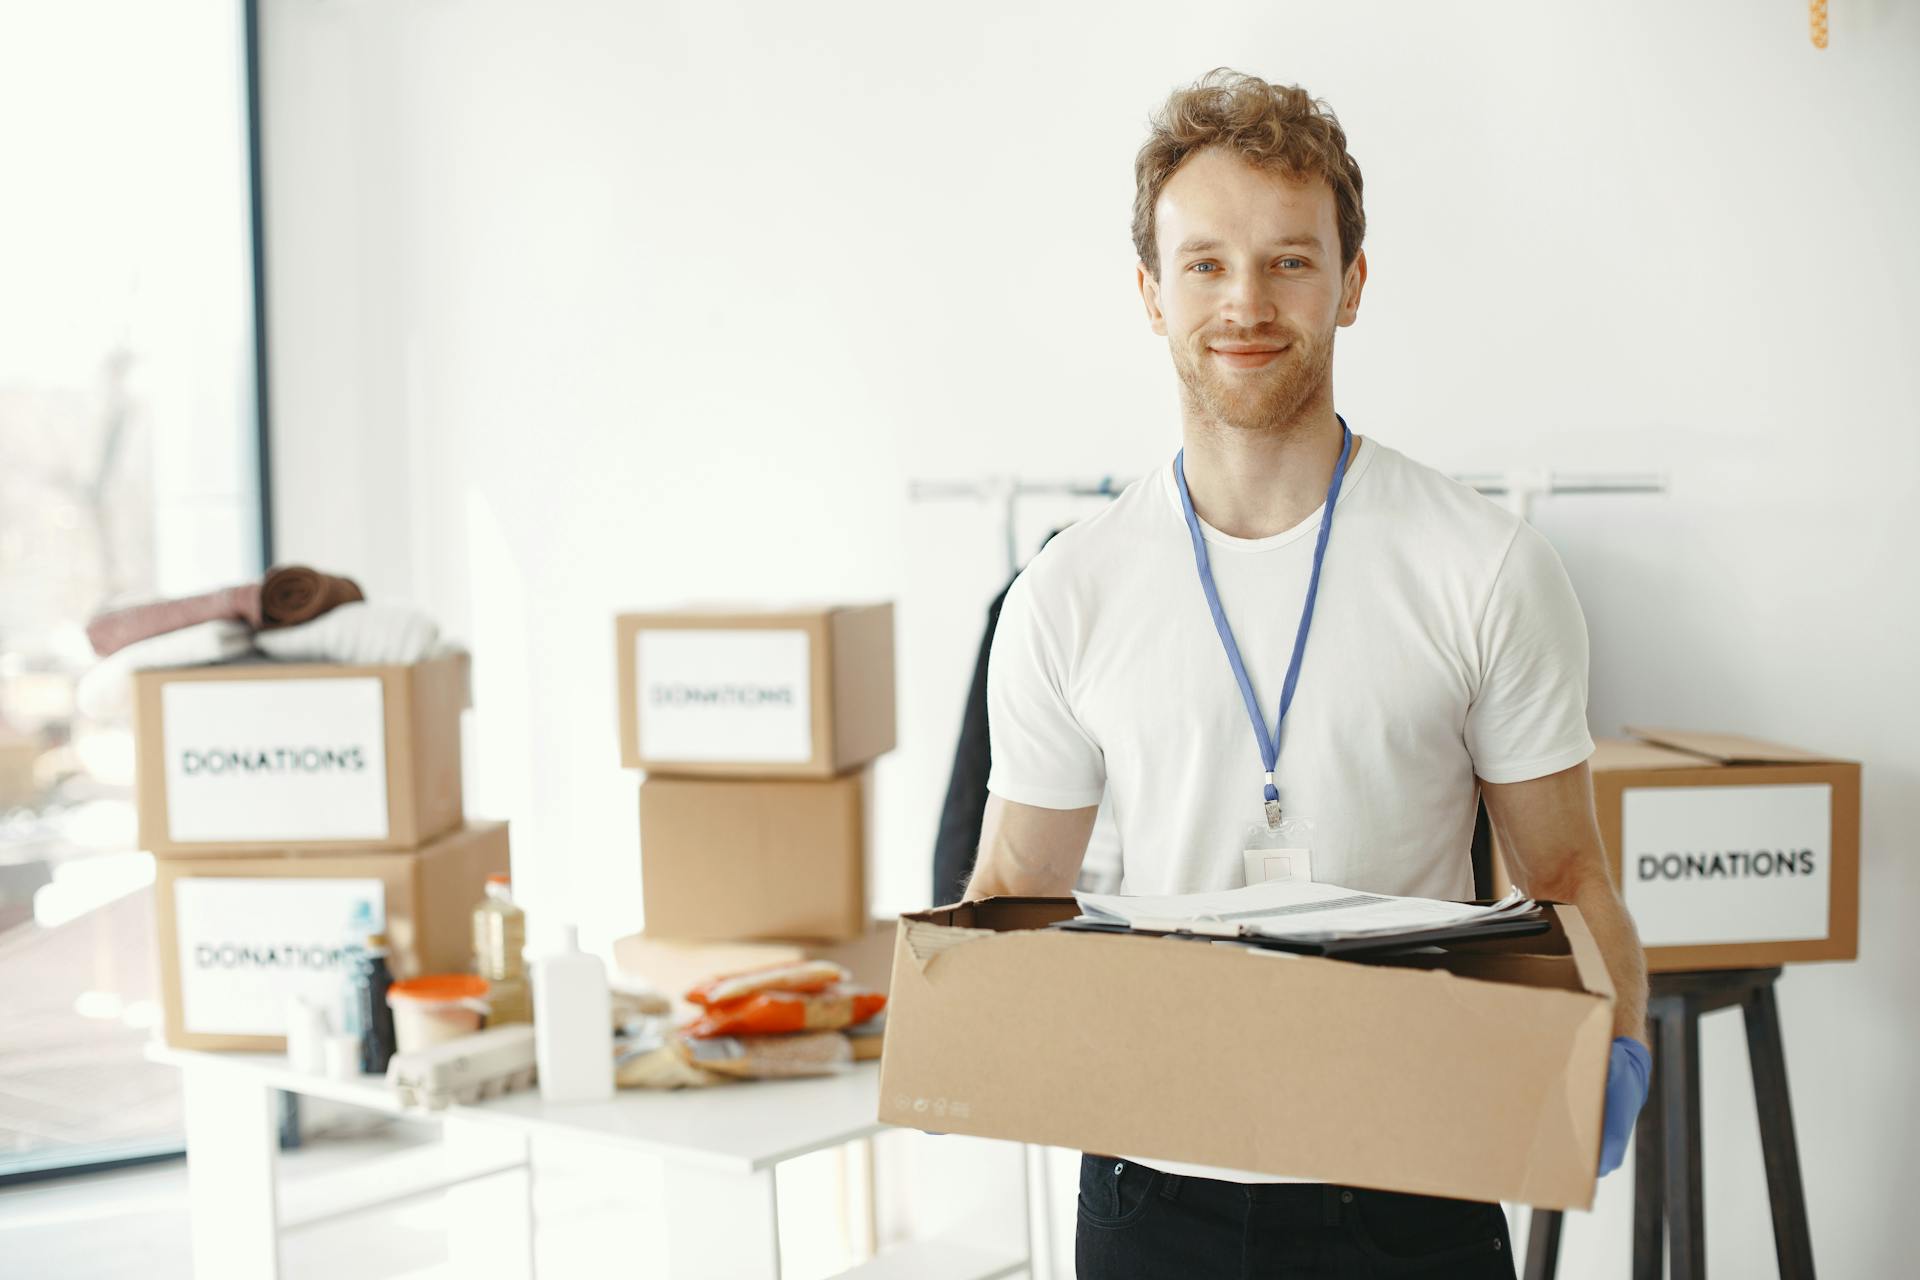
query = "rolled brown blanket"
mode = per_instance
[
  {"x": 294, "y": 593},
  {"x": 110, "y": 632}
]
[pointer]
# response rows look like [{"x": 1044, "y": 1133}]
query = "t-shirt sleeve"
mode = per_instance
[
  {"x": 1042, "y": 755},
  {"x": 1529, "y": 716}
]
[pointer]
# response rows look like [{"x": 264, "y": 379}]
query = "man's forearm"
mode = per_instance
[
  {"x": 1613, "y": 932},
  {"x": 1028, "y": 852},
  {"x": 1547, "y": 827},
  {"x": 1002, "y": 877}
]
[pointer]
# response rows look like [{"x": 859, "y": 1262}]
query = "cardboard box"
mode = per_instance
[
  {"x": 1484, "y": 1082},
  {"x": 1731, "y": 853},
  {"x": 674, "y": 968},
  {"x": 302, "y": 756},
  {"x": 238, "y": 935},
  {"x": 796, "y": 694},
  {"x": 727, "y": 860}
]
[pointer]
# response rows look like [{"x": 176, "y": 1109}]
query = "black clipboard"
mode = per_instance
[{"x": 1513, "y": 927}]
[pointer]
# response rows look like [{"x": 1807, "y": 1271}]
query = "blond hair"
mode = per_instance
[{"x": 1276, "y": 127}]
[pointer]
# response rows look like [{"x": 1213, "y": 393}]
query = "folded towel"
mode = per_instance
[
  {"x": 105, "y": 692},
  {"x": 360, "y": 633},
  {"x": 293, "y": 594},
  {"x": 111, "y": 632}
]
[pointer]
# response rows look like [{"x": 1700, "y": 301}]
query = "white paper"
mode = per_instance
[
  {"x": 1693, "y": 870},
  {"x": 247, "y": 944},
  {"x": 272, "y": 760},
  {"x": 1291, "y": 909},
  {"x": 743, "y": 695}
]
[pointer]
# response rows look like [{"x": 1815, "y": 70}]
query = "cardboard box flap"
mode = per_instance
[
  {"x": 1566, "y": 1116},
  {"x": 1586, "y": 952},
  {"x": 1618, "y": 755},
  {"x": 1728, "y": 748},
  {"x": 931, "y": 933},
  {"x": 926, "y": 940}
]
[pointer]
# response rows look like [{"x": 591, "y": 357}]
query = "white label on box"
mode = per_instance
[
  {"x": 1727, "y": 864},
  {"x": 246, "y": 945},
  {"x": 272, "y": 760},
  {"x": 725, "y": 695}
]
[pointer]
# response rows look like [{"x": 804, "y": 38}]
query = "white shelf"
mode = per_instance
[
  {"x": 273, "y": 1069},
  {"x": 733, "y": 1128},
  {"x": 942, "y": 1259},
  {"x": 377, "y": 1184}
]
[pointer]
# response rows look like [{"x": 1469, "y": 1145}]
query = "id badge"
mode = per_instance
[{"x": 1282, "y": 850}]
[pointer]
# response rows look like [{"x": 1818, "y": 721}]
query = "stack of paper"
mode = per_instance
[{"x": 1294, "y": 910}]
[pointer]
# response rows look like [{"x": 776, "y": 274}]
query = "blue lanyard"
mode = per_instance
[{"x": 1269, "y": 743}]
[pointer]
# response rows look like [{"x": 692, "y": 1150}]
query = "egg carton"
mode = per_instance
[{"x": 485, "y": 1064}]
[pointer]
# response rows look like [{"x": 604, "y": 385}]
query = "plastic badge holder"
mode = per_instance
[{"x": 1281, "y": 850}]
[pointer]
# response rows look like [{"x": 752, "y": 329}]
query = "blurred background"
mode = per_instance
[{"x": 580, "y": 306}]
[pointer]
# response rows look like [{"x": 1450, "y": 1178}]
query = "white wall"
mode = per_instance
[{"x": 591, "y": 305}]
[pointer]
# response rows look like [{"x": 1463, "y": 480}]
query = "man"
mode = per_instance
[{"x": 1424, "y": 646}]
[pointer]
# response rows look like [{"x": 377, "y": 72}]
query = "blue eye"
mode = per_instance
[
  {"x": 1299, "y": 261},
  {"x": 1196, "y": 266}
]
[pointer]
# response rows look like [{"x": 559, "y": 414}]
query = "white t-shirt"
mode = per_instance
[{"x": 1446, "y": 643}]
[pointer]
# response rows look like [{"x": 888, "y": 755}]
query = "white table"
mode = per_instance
[{"x": 720, "y": 1146}]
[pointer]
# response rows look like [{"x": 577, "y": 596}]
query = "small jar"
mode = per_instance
[{"x": 436, "y": 1008}]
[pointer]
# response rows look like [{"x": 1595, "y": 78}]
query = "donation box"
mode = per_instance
[{"x": 1731, "y": 853}]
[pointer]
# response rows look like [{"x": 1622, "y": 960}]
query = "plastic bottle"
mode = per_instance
[
  {"x": 573, "y": 1036},
  {"x": 376, "y": 1018},
  {"x": 499, "y": 933},
  {"x": 499, "y": 937},
  {"x": 353, "y": 949}
]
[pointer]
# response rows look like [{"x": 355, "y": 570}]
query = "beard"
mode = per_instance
[{"x": 1264, "y": 399}]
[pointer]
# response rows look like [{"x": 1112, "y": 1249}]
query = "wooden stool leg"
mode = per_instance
[
  {"x": 1543, "y": 1244},
  {"x": 1792, "y": 1242},
  {"x": 1649, "y": 1184},
  {"x": 1680, "y": 1100}
]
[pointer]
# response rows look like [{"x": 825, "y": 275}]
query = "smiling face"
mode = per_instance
[{"x": 1250, "y": 291}]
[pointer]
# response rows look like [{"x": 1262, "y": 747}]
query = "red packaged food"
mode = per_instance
[
  {"x": 773, "y": 1012},
  {"x": 802, "y": 975}
]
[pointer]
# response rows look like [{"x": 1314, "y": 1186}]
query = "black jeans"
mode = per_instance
[{"x": 1140, "y": 1222}]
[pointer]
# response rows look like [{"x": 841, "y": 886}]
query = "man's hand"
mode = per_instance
[{"x": 1628, "y": 1069}]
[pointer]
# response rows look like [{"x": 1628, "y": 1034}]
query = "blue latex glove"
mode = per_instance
[{"x": 1627, "y": 1069}]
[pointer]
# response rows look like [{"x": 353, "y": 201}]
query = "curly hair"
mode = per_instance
[{"x": 1275, "y": 127}]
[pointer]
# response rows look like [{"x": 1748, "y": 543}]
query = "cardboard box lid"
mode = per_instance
[
  {"x": 1618, "y": 755},
  {"x": 741, "y": 613},
  {"x": 926, "y": 935},
  {"x": 1720, "y": 748},
  {"x": 260, "y": 667}
]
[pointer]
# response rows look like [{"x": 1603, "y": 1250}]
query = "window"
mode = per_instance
[{"x": 130, "y": 468}]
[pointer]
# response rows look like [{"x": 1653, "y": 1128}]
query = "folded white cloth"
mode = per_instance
[
  {"x": 359, "y": 633},
  {"x": 105, "y": 692}
]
